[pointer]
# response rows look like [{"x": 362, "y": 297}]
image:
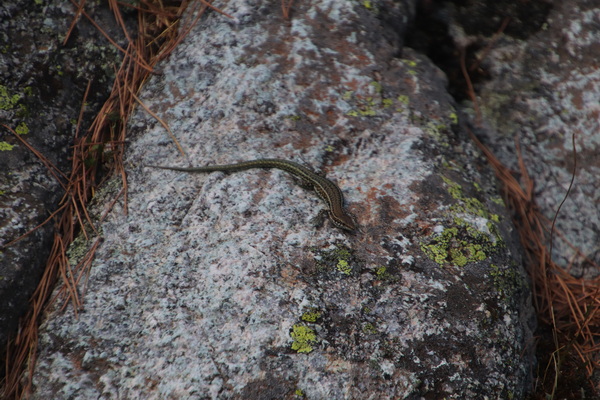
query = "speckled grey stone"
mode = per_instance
[{"x": 218, "y": 286}]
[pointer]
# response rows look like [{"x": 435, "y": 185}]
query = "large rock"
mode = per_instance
[{"x": 218, "y": 286}]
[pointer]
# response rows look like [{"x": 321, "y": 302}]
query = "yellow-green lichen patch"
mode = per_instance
[
  {"x": 387, "y": 275},
  {"x": 381, "y": 272},
  {"x": 312, "y": 315},
  {"x": 469, "y": 205},
  {"x": 498, "y": 200},
  {"x": 347, "y": 95},
  {"x": 469, "y": 211},
  {"x": 363, "y": 112},
  {"x": 80, "y": 247},
  {"x": 22, "y": 129},
  {"x": 303, "y": 338},
  {"x": 378, "y": 86},
  {"x": 8, "y": 101},
  {"x": 411, "y": 64},
  {"x": 370, "y": 5},
  {"x": 507, "y": 281},
  {"x": 404, "y": 99},
  {"x": 386, "y": 103},
  {"x": 337, "y": 259},
  {"x": 369, "y": 328},
  {"x": 372, "y": 106},
  {"x": 293, "y": 117},
  {"x": 453, "y": 118},
  {"x": 4, "y": 146},
  {"x": 343, "y": 257},
  {"x": 437, "y": 131},
  {"x": 455, "y": 246},
  {"x": 344, "y": 267}
]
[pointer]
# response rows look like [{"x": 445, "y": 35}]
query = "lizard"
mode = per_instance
[{"x": 328, "y": 191}]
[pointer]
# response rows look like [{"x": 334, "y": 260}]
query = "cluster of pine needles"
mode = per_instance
[{"x": 567, "y": 307}]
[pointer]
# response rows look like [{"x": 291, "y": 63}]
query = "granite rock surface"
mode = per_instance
[{"x": 218, "y": 286}]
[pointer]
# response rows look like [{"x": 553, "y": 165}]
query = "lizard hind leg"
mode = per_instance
[{"x": 319, "y": 219}]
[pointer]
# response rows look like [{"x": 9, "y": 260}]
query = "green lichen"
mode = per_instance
[
  {"x": 369, "y": 328},
  {"x": 378, "y": 87},
  {"x": 437, "y": 131},
  {"x": 304, "y": 338},
  {"x": 381, "y": 272},
  {"x": 8, "y": 101},
  {"x": 22, "y": 129},
  {"x": 370, "y": 5},
  {"x": 79, "y": 248},
  {"x": 299, "y": 392},
  {"x": 454, "y": 188},
  {"x": 454, "y": 118},
  {"x": 368, "y": 112},
  {"x": 336, "y": 259},
  {"x": 4, "y": 146},
  {"x": 347, "y": 95},
  {"x": 498, "y": 200},
  {"x": 385, "y": 274},
  {"x": 372, "y": 106},
  {"x": 507, "y": 281},
  {"x": 342, "y": 253},
  {"x": 404, "y": 99},
  {"x": 343, "y": 257},
  {"x": 312, "y": 315},
  {"x": 457, "y": 247},
  {"x": 364, "y": 112},
  {"x": 344, "y": 267},
  {"x": 467, "y": 205},
  {"x": 469, "y": 239}
]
